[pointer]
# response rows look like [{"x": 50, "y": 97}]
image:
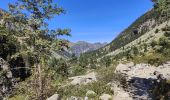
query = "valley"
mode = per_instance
[{"x": 36, "y": 64}]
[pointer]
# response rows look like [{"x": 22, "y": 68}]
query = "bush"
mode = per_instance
[
  {"x": 167, "y": 34},
  {"x": 164, "y": 42},
  {"x": 98, "y": 87},
  {"x": 157, "y": 30},
  {"x": 152, "y": 58},
  {"x": 161, "y": 91},
  {"x": 106, "y": 74},
  {"x": 18, "y": 97},
  {"x": 154, "y": 43},
  {"x": 77, "y": 70}
]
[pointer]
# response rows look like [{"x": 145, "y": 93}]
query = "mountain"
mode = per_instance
[
  {"x": 140, "y": 32},
  {"x": 146, "y": 45},
  {"x": 134, "y": 66},
  {"x": 82, "y": 47}
]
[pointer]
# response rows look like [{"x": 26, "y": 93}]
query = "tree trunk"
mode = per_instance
[
  {"x": 40, "y": 81},
  {"x": 27, "y": 65}
]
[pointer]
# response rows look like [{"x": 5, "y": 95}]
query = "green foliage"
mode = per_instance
[
  {"x": 161, "y": 90},
  {"x": 106, "y": 61},
  {"x": 153, "y": 43},
  {"x": 167, "y": 34},
  {"x": 135, "y": 50},
  {"x": 80, "y": 91},
  {"x": 106, "y": 74},
  {"x": 157, "y": 30},
  {"x": 32, "y": 37},
  {"x": 19, "y": 97},
  {"x": 60, "y": 66},
  {"x": 152, "y": 58},
  {"x": 77, "y": 70},
  {"x": 127, "y": 35},
  {"x": 83, "y": 60},
  {"x": 164, "y": 42},
  {"x": 163, "y": 7}
]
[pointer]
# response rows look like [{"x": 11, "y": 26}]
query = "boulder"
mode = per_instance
[
  {"x": 84, "y": 79},
  {"x": 124, "y": 67},
  {"x": 105, "y": 97},
  {"x": 54, "y": 97},
  {"x": 75, "y": 98},
  {"x": 86, "y": 98}
]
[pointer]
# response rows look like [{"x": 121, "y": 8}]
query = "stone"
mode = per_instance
[
  {"x": 105, "y": 97},
  {"x": 86, "y": 98},
  {"x": 75, "y": 98},
  {"x": 140, "y": 78},
  {"x": 84, "y": 79},
  {"x": 54, "y": 97}
]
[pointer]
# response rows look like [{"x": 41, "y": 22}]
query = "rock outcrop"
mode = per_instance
[
  {"x": 140, "y": 79},
  {"x": 84, "y": 79},
  {"x": 54, "y": 97},
  {"x": 82, "y": 47},
  {"x": 120, "y": 93},
  {"x": 106, "y": 97}
]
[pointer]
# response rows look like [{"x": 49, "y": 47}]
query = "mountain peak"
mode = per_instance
[{"x": 83, "y": 46}]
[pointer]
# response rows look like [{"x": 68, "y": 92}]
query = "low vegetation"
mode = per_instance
[{"x": 27, "y": 46}]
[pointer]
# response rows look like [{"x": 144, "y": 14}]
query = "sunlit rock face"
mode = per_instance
[
  {"x": 82, "y": 47},
  {"x": 141, "y": 79}
]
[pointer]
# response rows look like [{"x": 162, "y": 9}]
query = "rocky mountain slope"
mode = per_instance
[
  {"x": 82, "y": 47},
  {"x": 140, "y": 82},
  {"x": 144, "y": 24},
  {"x": 147, "y": 44},
  {"x": 134, "y": 66}
]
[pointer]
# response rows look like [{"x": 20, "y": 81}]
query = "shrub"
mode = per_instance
[
  {"x": 154, "y": 43},
  {"x": 161, "y": 91},
  {"x": 164, "y": 42},
  {"x": 157, "y": 30},
  {"x": 18, "y": 97},
  {"x": 77, "y": 70},
  {"x": 152, "y": 58},
  {"x": 98, "y": 87},
  {"x": 106, "y": 74},
  {"x": 167, "y": 34}
]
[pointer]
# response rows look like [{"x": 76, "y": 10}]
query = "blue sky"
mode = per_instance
[{"x": 96, "y": 20}]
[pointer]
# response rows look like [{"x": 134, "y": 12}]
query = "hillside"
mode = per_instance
[
  {"x": 35, "y": 64},
  {"x": 82, "y": 47},
  {"x": 147, "y": 22}
]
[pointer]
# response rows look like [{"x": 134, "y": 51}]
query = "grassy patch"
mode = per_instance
[
  {"x": 151, "y": 58},
  {"x": 80, "y": 91},
  {"x": 18, "y": 97}
]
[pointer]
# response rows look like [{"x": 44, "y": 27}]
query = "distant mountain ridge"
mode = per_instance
[{"x": 83, "y": 46}]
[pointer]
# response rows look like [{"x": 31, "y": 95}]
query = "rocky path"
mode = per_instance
[
  {"x": 120, "y": 93},
  {"x": 140, "y": 79}
]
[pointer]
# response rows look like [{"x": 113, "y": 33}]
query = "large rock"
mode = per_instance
[
  {"x": 124, "y": 67},
  {"x": 75, "y": 98},
  {"x": 143, "y": 70},
  {"x": 84, "y": 79},
  {"x": 106, "y": 97},
  {"x": 120, "y": 93},
  {"x": 54, "y": 97},
  {"x": 140, "y": 78}
]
